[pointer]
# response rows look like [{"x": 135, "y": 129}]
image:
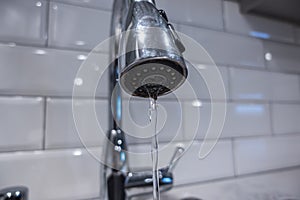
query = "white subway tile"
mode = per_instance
[
  {"x": 77, "y": 27},
  {"x": 190, "y": 168},
  {"x": 37, "y": 71},
  {"x": 206, "y": 13},
  {"x": 262, "y": 154},
  {"x": 277, "y": 185},
  {"x": 250, "y": 84},
  {"x": 286, "y": 118},
  {"x": 23, "y": 22},
  {"x": 284, "y": 57},
  {"x": 136, "y": 122},
  {"x": 63, "y": 174},
  {"x": 285, "y": 87},
  {"x": 245, "y": 119},
  {"x": 21, "y": 122},
  {"x": 242, "y": 119},
  {"x": 255, "y": 26},
  {"x": 98, "y": 4},
  {"x": 259, "y": 85},
  {"x": 61, "y": 131},
  {"x": 225, "y": 48}
]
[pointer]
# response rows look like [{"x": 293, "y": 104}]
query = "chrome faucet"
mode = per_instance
[
  {"x": 14, "y": 193},
  {"x": 148, "y": 62}
]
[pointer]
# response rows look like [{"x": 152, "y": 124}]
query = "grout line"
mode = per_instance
[
  {"x": 204, "y": 100},
  {"x": 265, "y": 69},
  {"x": 26, "y": 45},
  {"x": 162, "y": 143},
  {"x": 271, "y": 110},
  {"x": 229, "y": 83},
  {"x": 44, "y": 124},
  {"x": 272, "y": 171},
  {"x": 52, "y": 96},
  {"x": 81, "y": 5},
  {"x": 73, "y": 147},
  {"x": 223, "y": 15},
  {"x": 234, "y": 34},
  {"x": 49, "y": 149},
  {"x": 233, "y": 157},
  {"x": 47, "y": 23},
  {"x": 227, "y": 101},
  {"x": 254, "y": 136},
  {"x": 255, "y": 68}
]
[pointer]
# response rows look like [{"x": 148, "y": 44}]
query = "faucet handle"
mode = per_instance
[
  {"x": 175, "y": 158},
  {"x": 140, "y": 183},
  {"x": 177, "y": 39},
  {"x": 163, "y": 14}
]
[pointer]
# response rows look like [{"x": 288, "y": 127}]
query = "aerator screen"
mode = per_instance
[{"x": 153, "y": 78}]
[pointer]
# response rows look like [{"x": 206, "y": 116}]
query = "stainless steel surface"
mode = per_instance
[
  {"x": 14, "y": 193},
  {"x": 151, "y": 43},
  {"x": 175, "y": 158},
  {"x": 151, "y": 61},
  {"x": 115, "y": 134},
  {"x": 136, "y": 181}
]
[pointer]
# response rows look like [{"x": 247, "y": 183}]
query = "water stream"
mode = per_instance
[{"x": 154, "y": 148}]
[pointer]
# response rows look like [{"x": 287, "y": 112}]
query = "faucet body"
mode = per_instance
[
  {"x": 117, "y": 182},
  {"x": 14, "y": 193}
]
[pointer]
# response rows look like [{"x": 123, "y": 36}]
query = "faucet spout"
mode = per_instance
[{"x": 144, "y": 41}]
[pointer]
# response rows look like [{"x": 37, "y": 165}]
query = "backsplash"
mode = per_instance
[{"x": 43, "y": 44}]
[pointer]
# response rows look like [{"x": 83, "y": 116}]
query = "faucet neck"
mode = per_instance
[{"x": 150, "y": 1}]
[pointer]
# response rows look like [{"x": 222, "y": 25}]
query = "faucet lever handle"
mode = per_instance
[
  {"x": 163, "y": 14},
  {"x": 177, "y": 39},
  {"x": 175, "y": 158}
]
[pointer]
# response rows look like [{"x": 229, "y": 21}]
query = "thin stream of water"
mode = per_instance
[{"x": 154, "y": 149}]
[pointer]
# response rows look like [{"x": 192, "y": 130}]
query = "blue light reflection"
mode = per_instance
[{"x": 261, "y": 35}]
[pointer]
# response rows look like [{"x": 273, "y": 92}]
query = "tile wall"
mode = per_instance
[{"x": 43, "y": 44}]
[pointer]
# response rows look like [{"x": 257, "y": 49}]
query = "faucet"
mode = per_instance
[
  {"x": 148, "y": 63},
  {"x": 14, "y": 193}
]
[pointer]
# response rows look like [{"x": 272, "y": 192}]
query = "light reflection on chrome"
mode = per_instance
[{"x": 261, "y": 35}]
